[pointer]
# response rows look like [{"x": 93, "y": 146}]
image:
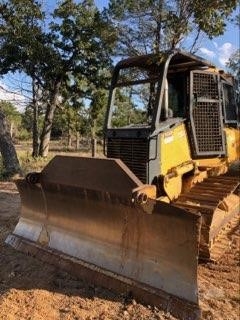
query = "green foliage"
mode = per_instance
[
  {"x": 98, "y": 108},
  {"x": 62, "y": 56},
  {"x": 69, "y": 119},
  {"x": 21, "y": 33},
  {"x": 24, "y": 135},
  {"x": 76, "y": 33},
  {"x": 211, "y": 16},
  {"x": 126, "y": 112},
  {"x": 10, "y": 111},
  {"x": 154, "y": 25},
  {"x": 234, "y": 64},
  {"x": 19, "y": 125},
  {"x": 27, "y": 118},
  {"x": 13, "y": 117}
]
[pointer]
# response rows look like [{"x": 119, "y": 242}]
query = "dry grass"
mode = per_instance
[{"x": 30, "y": 164}]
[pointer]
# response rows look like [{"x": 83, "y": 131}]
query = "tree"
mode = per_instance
[
  {"x": 13, "y": 117},
  {"x": 7, "y": 150},
  {"x": 78, "y": 65},
  {"x": 234, "y": 61},
  {"x": 129, "y": 107},
  {"x": 21, "y": 32},
  {"x": 64, "y": 55},
  {"x": 71, "y": 121},
  {"x": 146, "y": 26},
  {"x": 234, "y": 64},
  {"x": 98, "y": 108}
]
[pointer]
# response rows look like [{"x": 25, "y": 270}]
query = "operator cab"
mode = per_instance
[{"x": 151, "y": 95}]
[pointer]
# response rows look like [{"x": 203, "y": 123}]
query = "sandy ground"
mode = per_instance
[{"x": 30, "y": 289}]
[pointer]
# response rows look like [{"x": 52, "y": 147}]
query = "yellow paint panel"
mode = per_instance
[
  {"x": 233, "y": 143},
  {"x": 174, "y": 148},
  {"x": 210, "y": 163},
  {"x": 233, "y": 151}
]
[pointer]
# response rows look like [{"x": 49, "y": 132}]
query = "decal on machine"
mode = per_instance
[
  {"x": 168, "y": 137},
  {"x": 181, "y": 134}
]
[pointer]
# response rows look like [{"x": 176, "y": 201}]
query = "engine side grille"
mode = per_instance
[
  {"x": 208, "y": 130},
  {"x": 133, "y": 152},
  {"x": 205, "y": 85},
  {"x": 205, "y": 115}
]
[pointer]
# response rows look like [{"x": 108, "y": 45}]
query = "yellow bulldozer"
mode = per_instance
[{"x": 139, "y": 219}]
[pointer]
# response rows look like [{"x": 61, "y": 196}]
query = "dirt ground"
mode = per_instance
[{"x": 30, "y": 289}]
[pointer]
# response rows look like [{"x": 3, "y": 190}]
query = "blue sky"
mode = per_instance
[
  {"x": 220, "y": 48},
  {"x": 217, "y": 51}
]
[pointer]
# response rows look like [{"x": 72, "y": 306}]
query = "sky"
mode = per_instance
[
  {"x": 217, "y": 51},
  {"x": 221, "y": 48}
]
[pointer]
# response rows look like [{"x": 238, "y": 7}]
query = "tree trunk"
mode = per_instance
[
  {"x": 47, "y": 127},
  {"x": 69, "y": 143},
  {"x": 35, "y": 129},
  {"x": 77, "y": 140},
  {"x": 157, "y": 44},
  {"x": 8, "y": 152},
  {"x": 94, "y": 147},
  {"x": 69, "y": 136},
  {"x": 94, "y": 140},
  {"x": 11, "y": 129}
]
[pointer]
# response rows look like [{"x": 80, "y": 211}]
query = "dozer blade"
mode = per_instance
[{"x": 92, "y": 217}]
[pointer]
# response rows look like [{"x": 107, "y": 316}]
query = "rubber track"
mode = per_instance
[{"x": 205, "y": 198}]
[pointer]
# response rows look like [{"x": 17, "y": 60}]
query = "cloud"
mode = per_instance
[
  {"x": 207, "y": 52},
  {"x": 221, "y": 53},
  {"x": 17, "y": 99},
  {"x": 224, "y": 52}
]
